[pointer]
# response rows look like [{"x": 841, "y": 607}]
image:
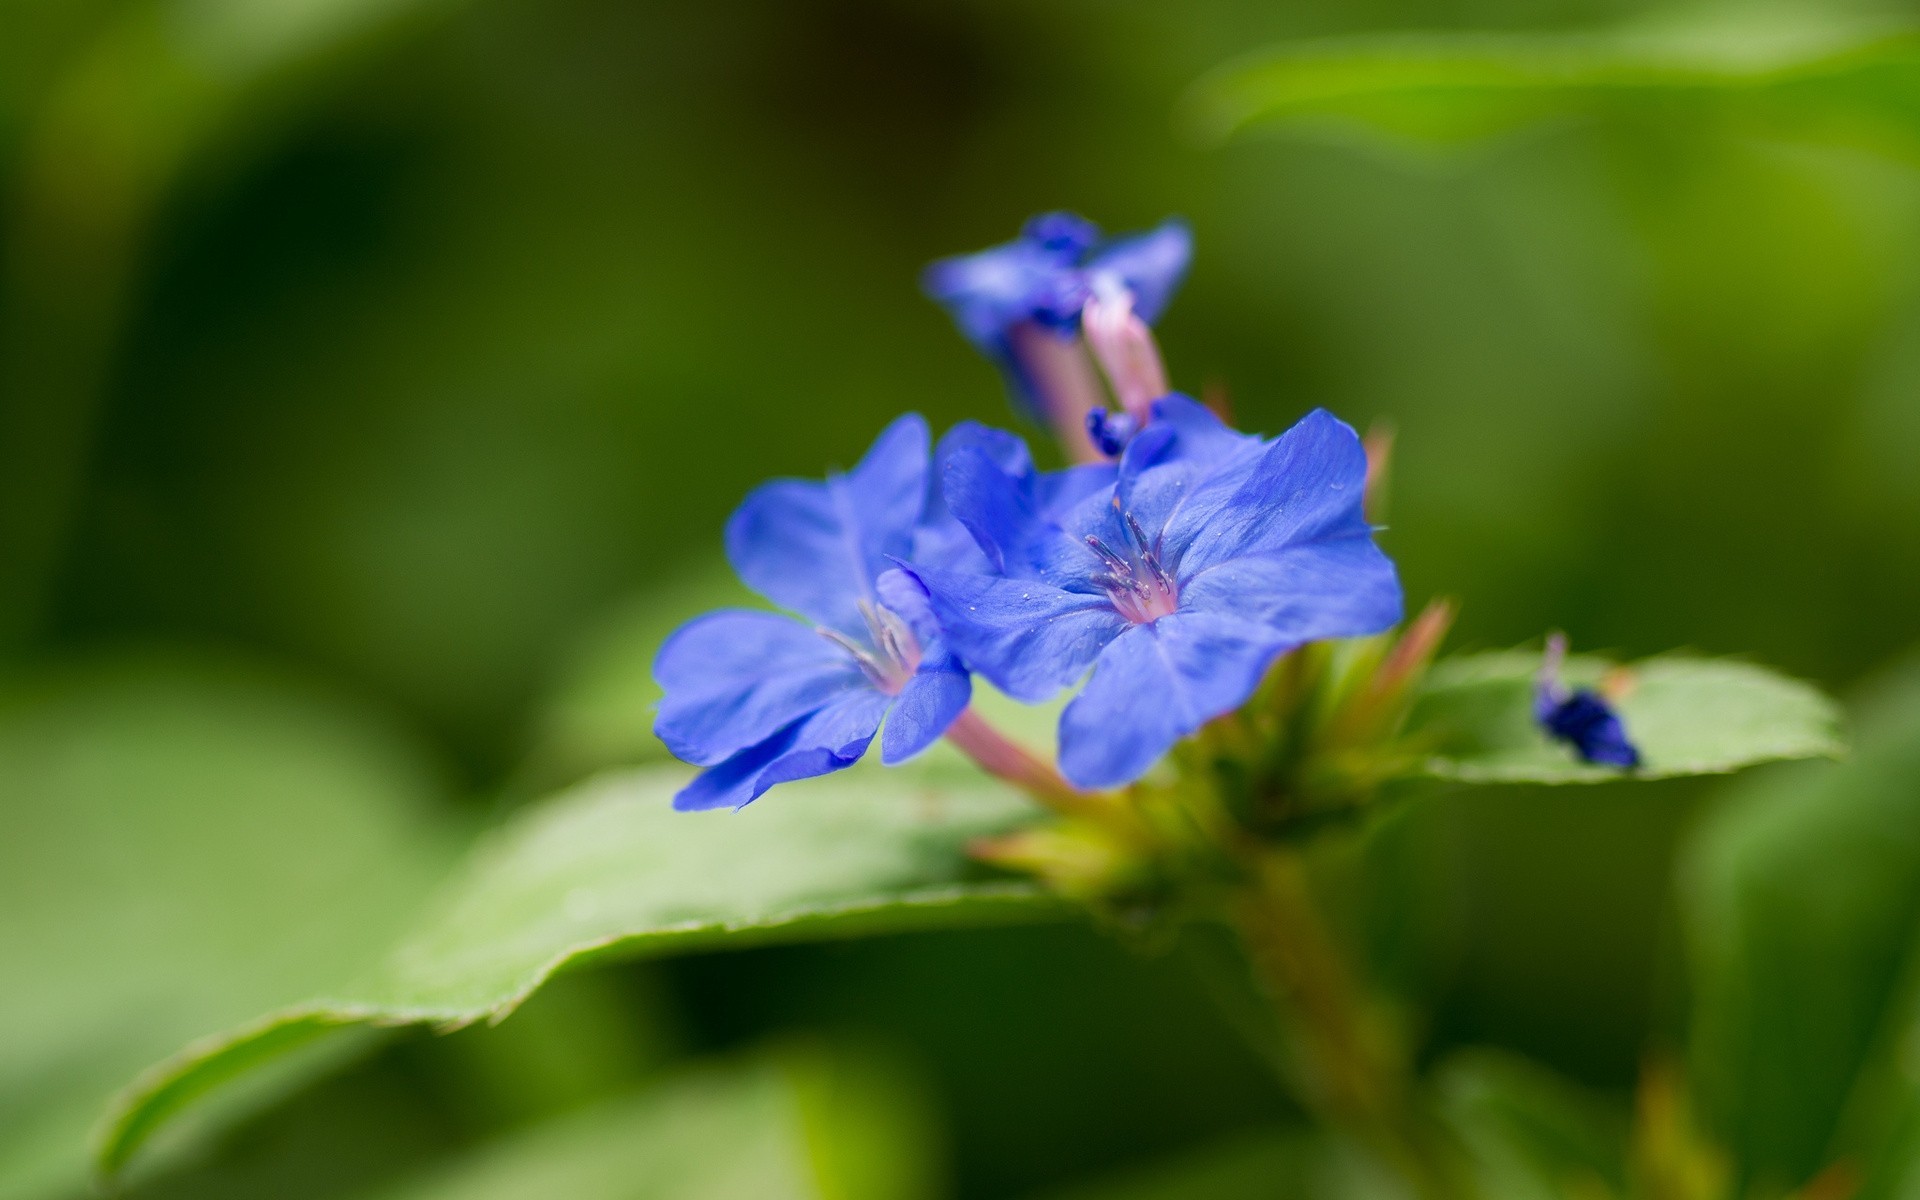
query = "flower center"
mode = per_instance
[
  {"x": 1138, "y": 583},
  {"x": 893, "y": 653}
]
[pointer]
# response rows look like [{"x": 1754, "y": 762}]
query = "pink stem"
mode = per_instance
[
  {"x": 1124, "y": 347},
  {"x": 1002, "y": 758},
  {"x": 1068, "y": 389}
]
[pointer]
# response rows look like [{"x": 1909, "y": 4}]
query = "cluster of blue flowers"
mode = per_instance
[{"x": 1176, "y": 562}]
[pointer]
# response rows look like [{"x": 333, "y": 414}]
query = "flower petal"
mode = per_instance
[
  {"x": 1150, "y": 264},
  {"x": 1308, "y": 484},
  {"x": 1185, "y": 465},
  {"x": 729, "y": 784},
  {"x": 735, "y": 678},
  {"x": 816, "y": 548},
  {"x": 1015, "y": 519},
  {"x": 1342, "y": 587},
  {"x": 930, "y": 702},
  {"x": 1153, "y": 686},
  {"x": 1028, "y": 638},
  {"x": 830, "y": 740}
]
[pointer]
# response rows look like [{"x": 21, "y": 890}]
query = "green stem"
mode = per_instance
[{"x": 1354, "y": 1071}]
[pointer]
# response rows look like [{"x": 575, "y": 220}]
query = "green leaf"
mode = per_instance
[
  {"x": 1801, "y": 896},
  {"x": 1529, "y": 1133},
  {"x": 600, "y": 712},
  {"x": 610, "y": 869},
  {"x": 795, "y": 1125},
  {"x": 1524, "y": 1132},
  {"x": 187, "y": 843},
  {"x": 1689, "y": 716},
  {"x": 1450, "y": 88},
  {"x": 1256, "y": 1166}
]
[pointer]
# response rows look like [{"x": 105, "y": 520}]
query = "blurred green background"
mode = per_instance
[{"x": 375, "y": 376}]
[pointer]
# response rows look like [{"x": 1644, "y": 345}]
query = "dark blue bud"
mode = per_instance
[
  {"x": 1111, "y": 430},
  {"x": 1588, "y": 723}
]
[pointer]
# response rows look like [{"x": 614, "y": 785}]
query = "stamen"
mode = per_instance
[
  {"x": 895, "y": 652},
  {"x": 1140, "y": 586},
  {"x": 861, "y": 655}
]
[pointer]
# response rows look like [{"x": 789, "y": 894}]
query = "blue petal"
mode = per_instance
[
  {"x": 1192, "y": 432},
  {"x": 830, "y": 740},
  {"x": 990, "y": 504},
  {"x": 1008, "y": 451},
  {"x": 816, "y": 548},
  {"x": 929, "y": 703},
  {"x": 941, "y": 540},
  {"x": 1069, "y": 235},
  {"x": 989, "y": 292},
  {"x": 902, "y": 592},
  {"x": 1308, "y": 484},
  {"x": 1014, "y": 519},
  {"x": 1344, "y": 587},
  {"x": 1185, "y": 463},
  {"x": 1028, "y": 638},
  {"x": 1153, "y": 686},
  {"x": 730, "y": 784},
  {"x": 1056, "y": 493},
  {"x": 735, "y": 678},
  {"x": 1151, "y": 264}
]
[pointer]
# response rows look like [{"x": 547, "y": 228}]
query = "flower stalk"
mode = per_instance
[
  {"x": 1003, "y": 758},
  {"x": 1353, "y": 1068}
]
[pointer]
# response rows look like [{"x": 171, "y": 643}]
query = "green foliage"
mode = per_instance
[
  {"x": 1521, "y": 1134},
  {"x": 1254, "y": 1166},
  {"x": 610, "y": 869},
  {"x": 1769, "y": 70},
  {"x": 428, "y": 370},
  {"x": 798, "y": 1124},
  {"x": 188, "y": 844},
  {"x": 1689, "y": 716},
  {"x": 1529, "y": 1134},
  {"x": 600, "y": 711},
  {"x": 1801, "y": 895}
]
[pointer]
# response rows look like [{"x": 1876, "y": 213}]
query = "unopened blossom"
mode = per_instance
[
  {"x": 1213, "y": 553},
  {"x": 1580, "y": 717}
]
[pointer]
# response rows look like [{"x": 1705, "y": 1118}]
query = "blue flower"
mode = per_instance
[
  {"x": 1212, "y": 553},
  {"x": 1005, "y": 297},
  {"x": 1580, "y": 717},
  {"x": 760, "y": 699}
]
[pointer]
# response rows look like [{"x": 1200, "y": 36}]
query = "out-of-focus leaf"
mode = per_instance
[
  {"x": 1528, "y": 1133},
  {"x": 1450, "y": 88},
  {"x": 800, "y": 1122},
  {"x": 1292, "y": 1163},
  {"x": 795, "y": 1125},
  {"x": 158, "y": 89},
  {"x": 611, "y": 869},
  {"x": 186, "y": 844},
  {"x": 601, "y": 711},
  {"x": 1801, "y": 894},
  {"x": 1688, "y": 716}
]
